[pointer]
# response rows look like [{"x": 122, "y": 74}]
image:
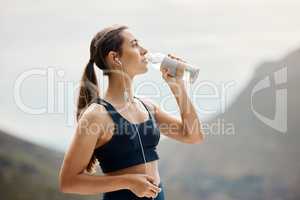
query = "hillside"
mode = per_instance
[{"x": 29, "y": 171}]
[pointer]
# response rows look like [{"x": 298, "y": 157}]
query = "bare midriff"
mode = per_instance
[{"x": 149, "y": 168}]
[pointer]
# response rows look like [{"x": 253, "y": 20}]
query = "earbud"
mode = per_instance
[{"x": 118, "y": 61}]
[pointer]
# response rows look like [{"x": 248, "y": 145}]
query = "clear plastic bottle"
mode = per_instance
[{"x": 160, "y": 60}]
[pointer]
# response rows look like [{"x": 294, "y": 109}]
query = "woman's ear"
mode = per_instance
[{"x": 113, "y": 58}]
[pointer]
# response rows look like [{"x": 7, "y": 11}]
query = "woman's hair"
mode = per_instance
[{"x": 106, "y": 40}]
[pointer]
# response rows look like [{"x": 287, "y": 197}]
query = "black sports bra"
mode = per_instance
[{"x": 124, "y": 148}]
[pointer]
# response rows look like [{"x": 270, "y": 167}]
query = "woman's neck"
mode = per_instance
[{"x": 117, "y": 85}]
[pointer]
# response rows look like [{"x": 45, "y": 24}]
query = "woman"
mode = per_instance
[{"x": 129, "y": 161}]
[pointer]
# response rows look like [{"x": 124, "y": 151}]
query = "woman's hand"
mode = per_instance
[
  {"x": 142, "y": 185},
  {"x": 179, "y": 72},
  {"x": 176, "y": 83}
]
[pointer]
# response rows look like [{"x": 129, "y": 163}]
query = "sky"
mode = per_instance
[{"x": 227, "y": 40}]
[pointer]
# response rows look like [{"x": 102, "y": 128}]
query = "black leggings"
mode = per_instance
[{"x": 128, "y": 195}]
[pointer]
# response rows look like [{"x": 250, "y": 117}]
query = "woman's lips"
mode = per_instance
[{"x": 145, "y": 60}]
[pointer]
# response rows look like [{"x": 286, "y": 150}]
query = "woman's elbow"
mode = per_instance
[
  {"x": 64, "y": 184},
  {"x": 200, "y": 139},
  {"x": 195, "y": 138}
]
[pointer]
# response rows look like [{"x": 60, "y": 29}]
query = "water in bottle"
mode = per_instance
[{"x": 160, "y": 60}]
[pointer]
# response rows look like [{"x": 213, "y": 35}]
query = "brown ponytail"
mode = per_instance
[{"x": 108, "y": 39}]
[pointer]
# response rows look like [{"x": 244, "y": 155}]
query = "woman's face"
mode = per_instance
[{"x": 133, "y": 55}]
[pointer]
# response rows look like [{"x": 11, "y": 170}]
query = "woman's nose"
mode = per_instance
[{"x": 143, "y": 51}]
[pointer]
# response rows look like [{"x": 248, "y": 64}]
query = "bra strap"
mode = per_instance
[
  {"x": 150, "y": 114},
  {"x": 110, "y": 109}
]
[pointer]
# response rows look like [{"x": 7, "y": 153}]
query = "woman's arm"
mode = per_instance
[
  {"x": 72, "y": 178},
  {"x": 188, "y": 128}
]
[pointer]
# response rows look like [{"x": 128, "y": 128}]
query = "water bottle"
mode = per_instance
[{"x": 160, "y": 60}]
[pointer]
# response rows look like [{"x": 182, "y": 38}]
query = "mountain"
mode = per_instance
[
  {"x": 29, "y": 171},
  {"x": 243, "y": 157}
]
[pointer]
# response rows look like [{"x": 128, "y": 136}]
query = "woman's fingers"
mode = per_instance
[
  {"x": 166, "y": 75},
  {"x": 165, "y": 72},
  {"x": 155, "y": 188},
  {"x": 151, "y": 179},
  {"x": 176, "y": 58},
  {"x": 151, "y": 193}
]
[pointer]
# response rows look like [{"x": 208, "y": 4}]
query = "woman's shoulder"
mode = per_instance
[{"x": 96, "y": 113}]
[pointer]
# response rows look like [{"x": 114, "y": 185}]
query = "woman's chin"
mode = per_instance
[{"x": 146, "y": 69}]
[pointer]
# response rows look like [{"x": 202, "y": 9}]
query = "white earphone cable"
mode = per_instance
[{"x": 136, "y": 129}]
